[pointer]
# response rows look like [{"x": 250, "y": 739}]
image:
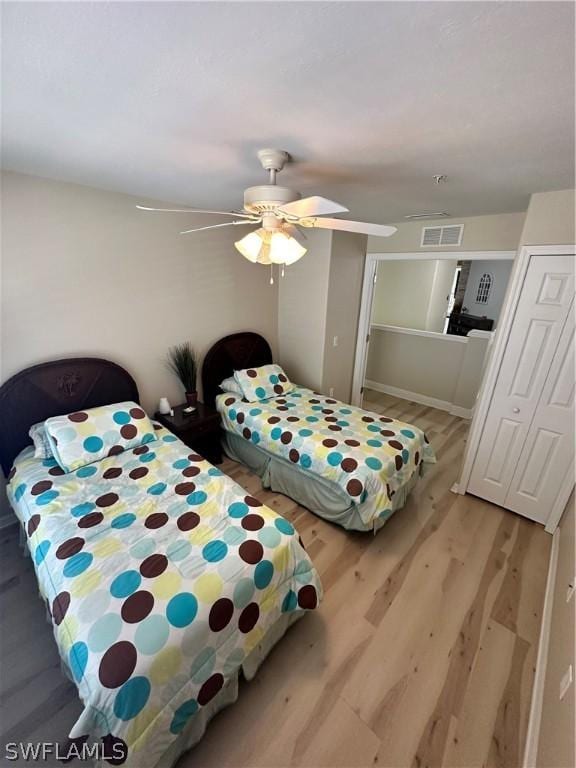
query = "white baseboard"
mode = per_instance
[
  {"x": 417, "y": 397},
  {"x": 533, "y": 733},
  {"x": 464, "y": 413}
]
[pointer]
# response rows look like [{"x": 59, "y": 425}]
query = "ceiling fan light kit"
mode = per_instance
[
  {"x": 270, "y": 247},
  {"x": 280, "y": 211}
]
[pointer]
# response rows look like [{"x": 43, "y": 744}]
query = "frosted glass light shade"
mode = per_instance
[
  {"x": 285, "y": 249},
  {"x": 250, "y": 245},
  {"x": 264, "y": 247}
]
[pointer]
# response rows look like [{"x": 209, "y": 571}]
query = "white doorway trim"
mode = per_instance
[
  {"x": 433, "y": 255},
  {"x": 493, "y": 367},
  {"x": 371, "y": 263}
]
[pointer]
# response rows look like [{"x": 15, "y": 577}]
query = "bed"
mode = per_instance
[
  {"x": 349, "y": 466},
  {"x": 164, "y": 581}
]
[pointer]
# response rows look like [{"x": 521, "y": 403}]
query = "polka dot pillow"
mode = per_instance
[
  {"x": 83, "y": 437},
  {"x": 263, "y": 383}
]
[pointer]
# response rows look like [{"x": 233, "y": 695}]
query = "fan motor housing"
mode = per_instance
[{"x": 268, "y": 197}]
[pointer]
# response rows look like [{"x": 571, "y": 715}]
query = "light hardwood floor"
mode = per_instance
[{"x": 422, "y": 653}]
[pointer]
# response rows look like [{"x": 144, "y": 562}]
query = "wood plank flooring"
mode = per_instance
[{"x": 421, "y": 655}]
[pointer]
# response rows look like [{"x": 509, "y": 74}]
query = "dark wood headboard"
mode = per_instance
[
  {"x": 232, "y": 353},
  {"x": 53, "y": 389}
]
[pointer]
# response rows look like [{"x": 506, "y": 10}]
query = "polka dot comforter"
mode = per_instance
[
  {"x": 369, "y": 456},
  {"x": 161, "y": 576}
]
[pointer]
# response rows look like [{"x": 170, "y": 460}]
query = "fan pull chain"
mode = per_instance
[
  {"x": 271, "y": 274},
  {"x": 282, "y": 273}
]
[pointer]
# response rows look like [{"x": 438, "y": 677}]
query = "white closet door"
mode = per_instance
[
  {"x": 540, "y": 315},
  {"x": 548, "y": 452}
]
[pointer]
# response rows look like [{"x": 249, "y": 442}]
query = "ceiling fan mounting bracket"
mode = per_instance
[{"x": 273, "y": 159}]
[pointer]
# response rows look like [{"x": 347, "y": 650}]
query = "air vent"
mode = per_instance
[
  {"x": 435, "y": 215},
  {"x": 438, "y": 237}
]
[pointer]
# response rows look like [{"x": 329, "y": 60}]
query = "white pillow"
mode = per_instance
[
  {"x": 231, "y": 385},
  {"x": 42, "y": 447}
]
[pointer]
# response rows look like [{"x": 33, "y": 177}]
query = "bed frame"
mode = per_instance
[
  {"x": 232, "y": 353},
  {"x": 53, "y": 389}
]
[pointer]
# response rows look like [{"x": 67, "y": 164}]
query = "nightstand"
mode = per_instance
[{"x": 200, "y": 430}]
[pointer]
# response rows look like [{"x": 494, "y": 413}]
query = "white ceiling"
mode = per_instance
[{"x": 171, "y": 100}]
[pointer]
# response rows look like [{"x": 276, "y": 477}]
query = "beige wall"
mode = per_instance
[
  {"x": 84, "y": 272},
  {"x": 420, "y": 364},
  {"x": 556, "y": 743},
  {"x": 481, "y": 233},
  {"x": 402, "y": 293},
  {"x": 344, "y": 295},
  {"x": 550, "y": 219},
  {"x": 471, "y": 372},
  {"x": 319, "y": 298},
  {"x": 302, "y": 308},
  {"x": 444, "y": 368}
]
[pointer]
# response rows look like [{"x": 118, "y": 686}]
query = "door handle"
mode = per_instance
[{"x": 515, "y": 410}]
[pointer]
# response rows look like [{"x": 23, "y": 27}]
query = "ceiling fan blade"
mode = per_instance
[
  {"x": 198, "y": 210},
  {"x": 362, "y": 227},
  {"x": 311, "y": 206},
  {"x": 217, "y": 226}
]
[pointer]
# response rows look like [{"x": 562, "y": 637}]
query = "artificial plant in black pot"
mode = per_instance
[{"x": 182, "y": 362}]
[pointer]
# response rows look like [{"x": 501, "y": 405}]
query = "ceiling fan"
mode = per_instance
[{"x": 280, "y": 212}]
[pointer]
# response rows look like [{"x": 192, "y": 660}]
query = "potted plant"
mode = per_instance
[{"x": 182, "y": 362}]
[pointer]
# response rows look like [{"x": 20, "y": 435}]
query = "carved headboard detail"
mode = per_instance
[{"x": 55, "y": 388}]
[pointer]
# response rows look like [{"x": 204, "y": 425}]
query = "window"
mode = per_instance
[{"x": 484, "y": 287}]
